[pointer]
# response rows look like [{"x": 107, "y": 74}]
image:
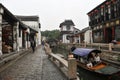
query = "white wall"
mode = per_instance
[
  {"x": 32, "y": 24},
  {"x": 88, "y": 36},
  {"x": 64, "y": 28},
  {"x": 20, "y": 40},
  {"x": 64, "y": 39},
  {"x": 35, "y": 25}
]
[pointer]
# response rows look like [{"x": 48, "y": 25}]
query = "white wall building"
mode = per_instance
[
  {"x": 32, "y": 22},
  {"x": 67, "y": 29},
  {"x": 88, "y": 36}
]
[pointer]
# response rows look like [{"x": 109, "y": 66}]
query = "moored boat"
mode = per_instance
[{"x": 101, "y": 67}]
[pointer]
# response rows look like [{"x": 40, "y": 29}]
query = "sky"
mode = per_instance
[{"x": 53, "y": 12}]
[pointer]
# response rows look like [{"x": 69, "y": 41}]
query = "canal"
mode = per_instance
[
  {"x": 83, "y": 74},
  {"x": 87, "y": 75}
]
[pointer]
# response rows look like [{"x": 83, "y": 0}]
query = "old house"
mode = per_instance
[
  {"x": 9, "y": 31},
  {"x": 104, "y": 21},
  {"x": 34, "y": 28},
  {"x": 67, "y": 29},
  {"x": 83, "y": 36}
]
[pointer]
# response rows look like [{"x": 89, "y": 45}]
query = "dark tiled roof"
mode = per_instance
[
  {"x": 32, "y": 30},
  {"x": 67, "y": 23},
  {"x": 28, "y": 18},
  {"x": 76, "y": 29},
  {"x": 84, "y": 30},
  {"x": 97, "y": 6},
  {"x": 8, "y": 13}
]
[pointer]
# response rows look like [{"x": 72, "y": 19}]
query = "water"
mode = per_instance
[
  {"x": 60, "y": 50},
  {"x": 84, "y": 74},
  {"x": 87, "y": 75}
]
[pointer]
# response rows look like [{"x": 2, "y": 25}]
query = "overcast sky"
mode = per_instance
[{"x": 53, "y": 12}]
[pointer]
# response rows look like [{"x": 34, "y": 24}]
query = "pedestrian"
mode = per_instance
[
  {"x": 72, "y": 49},
  {"x": 0, "y": 55},
  {"x": 33, "y": 45},
  {"x": 43, "y": 44}
]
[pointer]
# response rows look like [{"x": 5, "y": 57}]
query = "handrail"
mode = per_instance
[
  {"x": 69, "y": 65},
  {"x": 63, "y": 61}
]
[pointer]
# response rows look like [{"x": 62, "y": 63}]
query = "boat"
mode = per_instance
[{"x": 101, "y": 68}]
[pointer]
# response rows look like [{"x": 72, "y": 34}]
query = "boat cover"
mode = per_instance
[{"x": 84, "y": 51}]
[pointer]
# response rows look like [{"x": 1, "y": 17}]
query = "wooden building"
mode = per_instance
[
  {"x": 13, "y": 32},
  {"x": 9, "y": 31},
  {"x": 104, "y": 21}
]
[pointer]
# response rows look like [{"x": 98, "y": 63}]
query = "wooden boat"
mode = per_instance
[{"x": 101, "y": 68}]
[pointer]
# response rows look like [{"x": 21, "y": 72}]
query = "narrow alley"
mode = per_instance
[{"x": 33, "y": 66}]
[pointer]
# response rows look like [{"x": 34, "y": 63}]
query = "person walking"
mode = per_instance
[{"x": 33, "y": 45}]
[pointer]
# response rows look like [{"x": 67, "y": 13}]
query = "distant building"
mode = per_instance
[
  {"x": 87, "y": 35},
  {"x": 67, "y": 29},
  {"x": 104, "y": 21},
  {"x": 83, "y": 36},
  {"x": 74, "y": 38},
  {"x": 33, "y": 23}
]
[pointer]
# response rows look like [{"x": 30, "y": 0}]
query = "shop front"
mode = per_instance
[
  {"x": 9, "y": 34},
  {"x": 98, "y": 36},
  {"x": 7, "y": 39}
]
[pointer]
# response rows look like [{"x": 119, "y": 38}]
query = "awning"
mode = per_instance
[{"x": 84, "y": 51}]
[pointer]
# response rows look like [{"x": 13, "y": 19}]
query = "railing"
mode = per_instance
[
  {"x": 104, "y": 47},
  {"x": 62, "y": 63},
  {"x": 69, "y": 67}
]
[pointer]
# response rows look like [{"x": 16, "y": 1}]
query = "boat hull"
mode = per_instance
[{"x": 100, "y": 69}]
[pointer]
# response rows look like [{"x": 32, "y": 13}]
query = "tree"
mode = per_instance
[{"x": 51, "y": 35}]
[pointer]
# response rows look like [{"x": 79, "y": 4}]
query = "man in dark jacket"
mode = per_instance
[{"x": 33, "y": 44}]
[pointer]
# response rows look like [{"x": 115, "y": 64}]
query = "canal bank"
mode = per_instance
[{"x": 108, "y": 56}]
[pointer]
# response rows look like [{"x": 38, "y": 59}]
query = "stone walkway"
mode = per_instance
[{"x": 33, "y": 66}]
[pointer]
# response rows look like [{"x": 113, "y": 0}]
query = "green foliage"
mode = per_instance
[{"x": 51, "y": 35}]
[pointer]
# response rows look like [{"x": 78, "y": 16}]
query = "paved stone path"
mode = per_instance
[{"x": 33, "y": 66}]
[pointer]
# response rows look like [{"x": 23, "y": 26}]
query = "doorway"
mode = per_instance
[{"x": 108, "y": 37}]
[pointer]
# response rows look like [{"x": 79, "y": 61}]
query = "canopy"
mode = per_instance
[{"x": 84, "y": 51}]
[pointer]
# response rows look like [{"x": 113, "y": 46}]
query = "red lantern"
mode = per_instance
[
  {"x": 107, "y": 3},
  {"x": 95, "y": 11},
  {"x": 102, "y": 6}
]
